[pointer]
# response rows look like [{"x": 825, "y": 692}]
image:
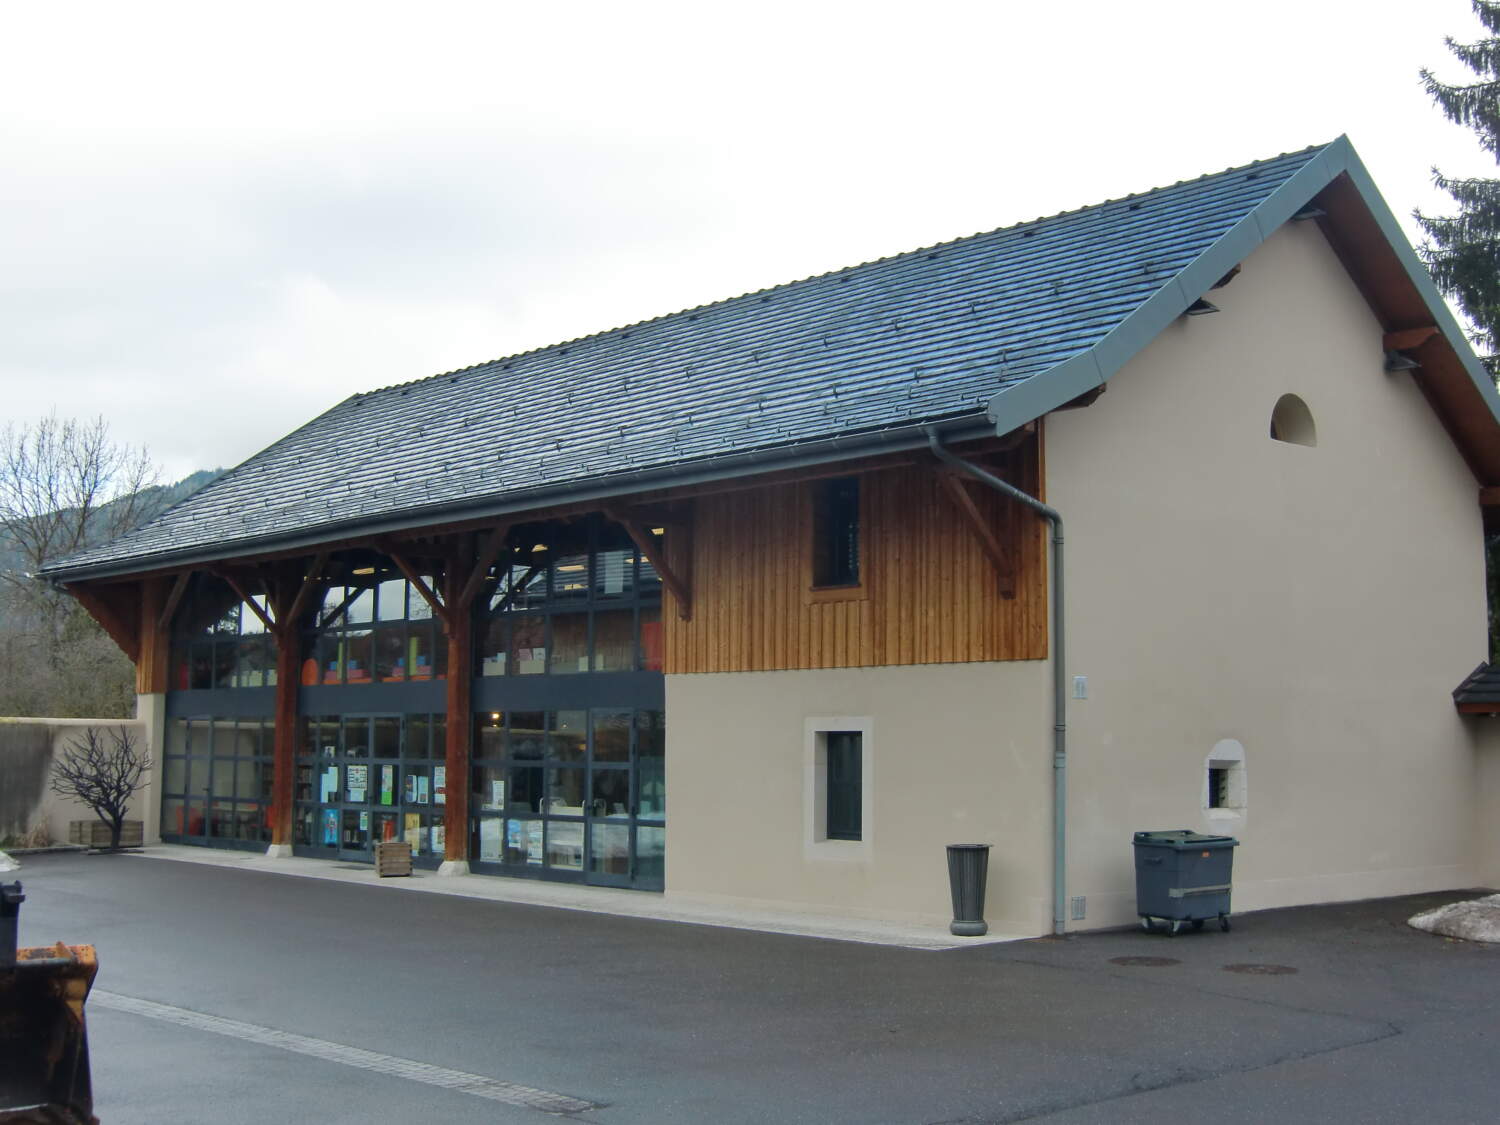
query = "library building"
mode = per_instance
[{"x": 797, "y": 558}]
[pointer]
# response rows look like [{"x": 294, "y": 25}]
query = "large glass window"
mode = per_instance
[
  {"x": 375, "y": 629},
  {"x": 569, "y": 599},
  {"x": 218, "y": 641},
  {"x": 366, "y": 779},
  {"x": 571, "y": 794},
  {"x": 216, "y": 782}
]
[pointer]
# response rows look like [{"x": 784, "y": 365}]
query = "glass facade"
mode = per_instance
[
  {"x": 567, "y": 777},
  {"x": 216, "y": 782},
  {"x": 365, "y": 779}
]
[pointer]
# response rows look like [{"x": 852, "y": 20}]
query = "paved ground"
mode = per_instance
[{"x": 663, "y": 1022}]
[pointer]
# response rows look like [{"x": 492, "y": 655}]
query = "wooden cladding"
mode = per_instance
[{"x": 931, "y": 590}]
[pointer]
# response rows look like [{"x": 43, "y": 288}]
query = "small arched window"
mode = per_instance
[{"x": 1292, "y": 422}]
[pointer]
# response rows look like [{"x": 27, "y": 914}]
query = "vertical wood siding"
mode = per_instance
[{"x": 929, "y": 594}]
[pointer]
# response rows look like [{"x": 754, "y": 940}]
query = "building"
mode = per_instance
[{"x": 759, "y": 555}]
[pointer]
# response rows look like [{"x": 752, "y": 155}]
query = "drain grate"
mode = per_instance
[
  {"x": 1261, "y": 970},
  {"x": 1150, "y": 962}
]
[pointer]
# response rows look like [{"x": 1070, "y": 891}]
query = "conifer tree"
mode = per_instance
[{"x": 1463, "y": 250}]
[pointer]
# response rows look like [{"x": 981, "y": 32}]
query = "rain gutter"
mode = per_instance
[{"x": 1059, "y": 673}]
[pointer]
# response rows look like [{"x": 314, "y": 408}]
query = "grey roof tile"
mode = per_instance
[{"x": 926, "y": 336}]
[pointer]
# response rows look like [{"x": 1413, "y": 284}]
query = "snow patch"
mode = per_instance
[{"x": 1475, "y": 920}]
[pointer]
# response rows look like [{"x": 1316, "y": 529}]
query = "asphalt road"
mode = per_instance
[{"x": 1345, "y": 1015}]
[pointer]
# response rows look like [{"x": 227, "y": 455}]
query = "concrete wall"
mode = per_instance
[
  {"x": 28, "y": 807},
  {"x": 954, "y": 754},
  {"x": 1316, "y": 605}
]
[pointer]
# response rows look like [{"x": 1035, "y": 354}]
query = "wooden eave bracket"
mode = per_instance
[
  {"x": 494, "y": 543},
  {"x": 958, "y": 491},
  {"x": 681, "y": 590},
  {"x": 405, "y": 566},
  {"x": 245, "y": 596},
  {"x": 1406, "y": 339},
  {"x": 174, "y": 599}
]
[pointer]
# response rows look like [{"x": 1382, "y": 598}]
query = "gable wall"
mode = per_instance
[{"x": 1316, "y": 604}]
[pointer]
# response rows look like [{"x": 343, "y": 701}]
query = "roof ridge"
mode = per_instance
[{"x": 633, "y": 325}]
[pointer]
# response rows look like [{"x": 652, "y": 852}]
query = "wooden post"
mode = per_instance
[
  {"x": 457, "y": 621},
  {"x": 152, "y": 675},
  {"x": 284, "y": 752}
]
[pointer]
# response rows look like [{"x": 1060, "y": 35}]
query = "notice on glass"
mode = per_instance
[
  {"x": 357, "y": 780},
  {"x": 439, "y": 841},
  {"x": 364, "y": 822},
  {"x": 439, "y": 785},
  {"x": 497, "y": 794},
  {"x": 424, "y": 790},
  {"x": 489, "y": 838},
  {"x": 387, "y": 785},
  {"x": 534, "y": 842},
  {"x": 413, "y": 832},
  {"x": 409, "y": 795},
  {"x": 329, "y": 785},
  {"x": 330, "y": 827}
]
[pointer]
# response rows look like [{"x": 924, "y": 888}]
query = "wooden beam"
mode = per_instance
[
  {"x": 120, "y": 629},
  {"x": 298, "y": 607},
  {"x": 405, "y": 566},
  {"x": 245, "y": 596},
  {"x": 493, "y": 545},
  {"x": 458, "y": 625},
  {"x": 284, "y": 732},
  {"x": 174, "y": 599},
  {"x": 152, "y": 672},
  {"x": 958, "y": 491},
  {"x": 1407, "y": 338},
  {"x": 647, "y": 546}
]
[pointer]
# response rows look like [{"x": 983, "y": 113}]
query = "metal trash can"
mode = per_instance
[
  {"x": 968, "y": 867},
  {"x": 1183, "y": 877}
]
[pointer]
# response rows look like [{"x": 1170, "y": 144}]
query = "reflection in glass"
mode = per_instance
[
  {"x": 651, "y": 645},
  {"x": 565, "y": 844},
  {"x": 650, "y": 854},
  {"x": 564, "y": 791},
  {"x": 387, "y": 736},
  {"x": 528, "y": 738},
  {"x": 528, "y": 640},
  {"x": 611, "y": 735},
  {"x": 361, "y": 607},
  {"x": 614, "y": 641},
  {"x": 569, "y": 734},
  {"x": 652, "y": 804},
  {"x": 492, "y": 646},
  {"x": 609, "y": 849},
  {"x": 570, "y": 577},
  {"x": 360, "y": 649},
  {"x": 570, "y": 643},
  {"x": 523, "y": 787},
  {"x": 391, "y": 600},
  {"x": 611, "y": 793},
  {"x": 614, "y": 573}
]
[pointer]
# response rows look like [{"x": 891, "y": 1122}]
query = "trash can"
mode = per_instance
[
  {"x": 1183, "y": 877},
  {"x": 968, "y": 866}
]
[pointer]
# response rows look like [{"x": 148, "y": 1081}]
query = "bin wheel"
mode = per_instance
[
  {"x": 1224, "y": 922},
  {"x": 1145, "y": 923},
  {"x": 1197, "y": 923},
  {"x": 1175, "y": 927}
]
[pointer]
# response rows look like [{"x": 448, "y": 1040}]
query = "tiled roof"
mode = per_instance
[
  {"x": 1481, "y": 689},
  {"x": 932, "y": 335}
]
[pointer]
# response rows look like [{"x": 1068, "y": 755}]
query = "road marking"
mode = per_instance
[{"x": 476, "y": 1084}]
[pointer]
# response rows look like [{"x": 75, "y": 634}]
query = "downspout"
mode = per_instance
[{"x": 1059, "y": 674}]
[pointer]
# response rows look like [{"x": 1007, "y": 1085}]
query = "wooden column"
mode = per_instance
[
  {"x": 457, "y": 621},
  {"x": 289, "y": 596},
  {"x": 152, "y": 674}
]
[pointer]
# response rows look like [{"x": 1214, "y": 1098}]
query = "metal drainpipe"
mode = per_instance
[{"x": 1059, "y": 675}]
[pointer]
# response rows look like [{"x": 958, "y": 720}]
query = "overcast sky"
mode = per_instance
[{"x": 218, "y": 220}]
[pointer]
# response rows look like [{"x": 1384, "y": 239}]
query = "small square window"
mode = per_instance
[
  {"x": 1218, "y": 787},
  {"x": 843, "y": 785}
]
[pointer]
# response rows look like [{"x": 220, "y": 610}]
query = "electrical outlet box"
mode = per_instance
[
  {"x": 1080, "y": 687},
  {"x": 1080, "y": 904}
]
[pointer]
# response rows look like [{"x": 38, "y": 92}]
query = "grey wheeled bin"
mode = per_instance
[{"x": 1182, "y": 877}]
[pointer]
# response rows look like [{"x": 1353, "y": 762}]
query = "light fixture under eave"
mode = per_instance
[
  {"x": 1399, "y": 361},
  {"x": 1200, "y": 307},
  {"x": 1308, "y": 213},
  {"x": 363, "y": 570}
]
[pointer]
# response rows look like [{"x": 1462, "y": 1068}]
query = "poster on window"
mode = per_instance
[
  {"x": 424, "y": 790},
  {"x": 357, "y": 783},
  {"x": 329, "y": 785},
  {"x": 439, "y": 785},
  {"x": 489, "y": 838},
  {"x": 387, "y": 785},
  {"x": 534, "y": 841},
  {"x": 414, "y": 832},
  {"x": 439, "y": 842},
  {"x": 330, "y": 828},
  {"x": 409, "y": 794}
]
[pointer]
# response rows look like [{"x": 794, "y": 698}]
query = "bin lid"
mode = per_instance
[{"x": 1183, "y": 838}]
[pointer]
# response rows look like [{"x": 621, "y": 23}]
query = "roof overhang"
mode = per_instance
[{"x": 1368, "y": 240}]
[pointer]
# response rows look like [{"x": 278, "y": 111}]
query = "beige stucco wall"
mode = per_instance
[
  {"x": 1316, "y": 604},
  {"x": 956, "y": 753},
  {"x": 53, "y": 813}
]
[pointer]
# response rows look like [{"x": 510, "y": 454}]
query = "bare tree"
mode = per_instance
[
  {"x": 102, "y": 775},
  {"x": 64, "y": 485}
]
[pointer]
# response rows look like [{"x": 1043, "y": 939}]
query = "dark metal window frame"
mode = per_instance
[
  {"x": 185, "y": 799},
  {"x": 836, "y": 506},
  {"x": 843, "y": 784}
]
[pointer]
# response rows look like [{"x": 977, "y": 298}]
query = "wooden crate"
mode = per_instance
[
  {"x": 393, "y": 857},
  {"x": 95, "y": 833}
]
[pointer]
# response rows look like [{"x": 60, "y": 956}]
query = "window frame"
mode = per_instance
[
  {"x": 817, "y": 843},
  {"x": 812, "y": 593}
]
